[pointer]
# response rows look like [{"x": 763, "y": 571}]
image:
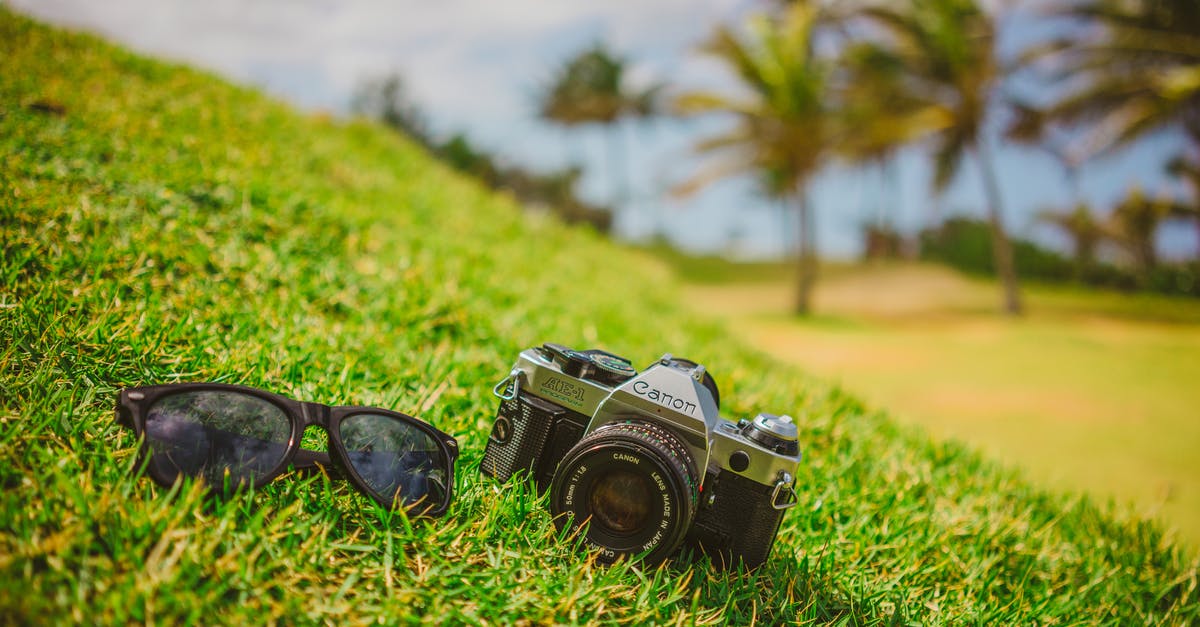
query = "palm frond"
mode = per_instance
[
  {"x": 948, "y": 154},
  {"x": 1028, "y": 123},
  {"x": 1134, "y": 66},
  {"x": 927, "y": 74},
  {"x": 783, "y": 126},
  {"x": 699, "y": 102},
  {"x": 712, "y": 173},
  {"x": 725, "y": 45}
]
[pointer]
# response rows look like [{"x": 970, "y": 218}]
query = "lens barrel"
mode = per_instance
[{"x": 634, "y": 484}]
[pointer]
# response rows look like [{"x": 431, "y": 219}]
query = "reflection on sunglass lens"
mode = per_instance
[
  {"x": 398, "y": 461},
  {"x": 213, "y": 432}
]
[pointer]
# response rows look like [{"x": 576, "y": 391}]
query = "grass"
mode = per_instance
[
  {"x": 160, "y": 225},
  {"x": 715, "y": 269},
  {"x": 1090, "y": 390}
]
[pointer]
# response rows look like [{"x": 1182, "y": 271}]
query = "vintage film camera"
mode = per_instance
[{"x": 643, "y": 458}]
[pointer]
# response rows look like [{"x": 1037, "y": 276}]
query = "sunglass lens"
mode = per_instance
[
  {"x": 216, "y": 434},
  {"x": 398, "y": 461}
]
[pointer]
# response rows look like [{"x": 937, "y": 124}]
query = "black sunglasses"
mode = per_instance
[{"x": 240, "y": 436}]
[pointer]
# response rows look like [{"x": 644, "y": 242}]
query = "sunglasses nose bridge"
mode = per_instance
[{"x": 314, "y": 414}]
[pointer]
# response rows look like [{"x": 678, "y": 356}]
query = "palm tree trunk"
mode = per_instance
[
  {"x": 1081, "y": 232},
  {"x": 1195, "y": 215},
  {"x": 806, "y": 267},
  {"x": 1072, "y": 172},
  {"x": 1196, "y": 219},
  {"x": 1002, "y": 254},
  {"x": 891, "y": 193}
]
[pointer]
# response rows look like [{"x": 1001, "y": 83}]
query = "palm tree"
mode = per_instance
[
  {"x": 585, "y": 89},
  {"x": 783, "y": 125},
  {"x": 1187, "y": 169},
  {"x": 944, "y": 56},
  {"x": 591, "y": 88},
  {"x": 876, "y": 107},
  {"x": 1131, "y": 67},
  {"x": 1134, "y": 224},
  {"x": 876, "y": 113},
  {"x": 1085, "y": 232}
]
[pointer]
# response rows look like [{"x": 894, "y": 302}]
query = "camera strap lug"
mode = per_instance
[
  {"x": 508, "y": 388},
  {"x": 789, "y": 497}
]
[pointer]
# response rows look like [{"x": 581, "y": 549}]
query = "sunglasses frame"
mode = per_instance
[{"x": 135, "y": 402}]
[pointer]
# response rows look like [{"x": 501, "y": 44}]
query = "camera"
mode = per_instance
[{"x": 644, "y": 459}]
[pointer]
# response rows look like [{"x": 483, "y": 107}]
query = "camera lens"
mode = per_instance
[{"x": 634, "y": 484}]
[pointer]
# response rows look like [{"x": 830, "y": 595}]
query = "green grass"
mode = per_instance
[
  {"x": 162, "y": 226},
  {"x": 716, "y": 269}
]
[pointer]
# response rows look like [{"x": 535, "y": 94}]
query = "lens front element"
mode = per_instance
[
  {"x": 620, "y": 501},
  {"x": 635, "y": 486},
  {"x": 398, "y": 461}
]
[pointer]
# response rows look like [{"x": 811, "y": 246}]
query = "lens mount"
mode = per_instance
[{"x": 634, "y": 484}]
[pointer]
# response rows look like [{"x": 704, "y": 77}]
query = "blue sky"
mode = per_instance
[{"x": 477, "y": 66}]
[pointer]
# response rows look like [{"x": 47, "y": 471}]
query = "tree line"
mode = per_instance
[
  {"x": 856, "y": 81},
  {"x": 385, "y": 100}
]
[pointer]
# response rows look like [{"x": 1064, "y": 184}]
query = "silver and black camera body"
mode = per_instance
[{"x": 643, "y": 458}]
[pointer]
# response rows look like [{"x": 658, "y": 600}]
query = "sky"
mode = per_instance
[{"x": 478, "y": 66}]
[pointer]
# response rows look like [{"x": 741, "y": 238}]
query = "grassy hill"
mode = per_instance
[{"x": 160, "y": 225}]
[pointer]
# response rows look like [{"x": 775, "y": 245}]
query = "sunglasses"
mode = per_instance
[{"x": 232, "y": 435}]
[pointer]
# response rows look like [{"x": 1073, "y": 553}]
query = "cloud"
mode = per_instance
[{"x": 455, "y": 55}]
